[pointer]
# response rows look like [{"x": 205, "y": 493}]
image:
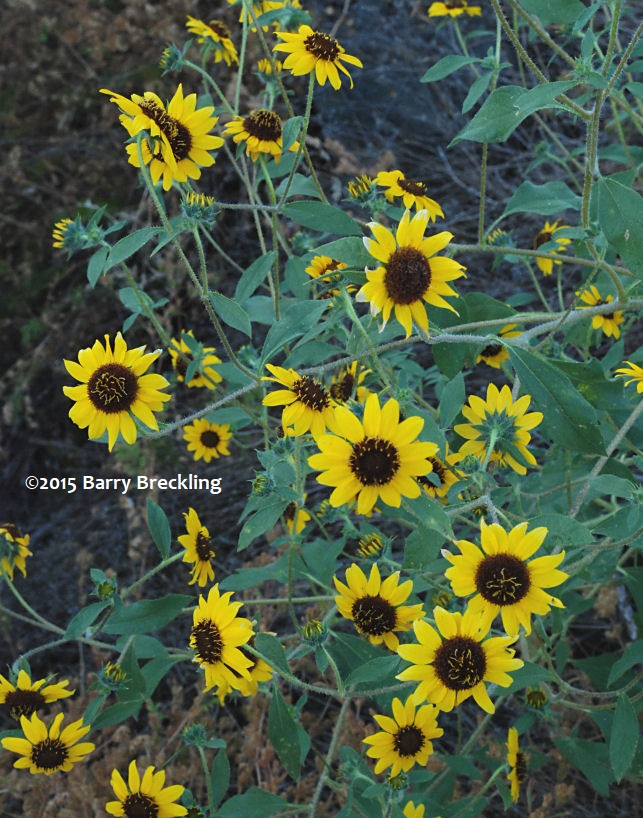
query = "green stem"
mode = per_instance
[
  {"x": 275, "y": 231},
  {"x": 328, "y": 760},
  {"x": 152, "y": 571},
  {"x": 208, "y": 779}
]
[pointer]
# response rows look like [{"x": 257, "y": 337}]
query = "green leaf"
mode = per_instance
[
  {"x": 260, "y": 522},
  {"x": 116, "y": 714},
  {"x": 296, "y": 320},
  {"x": 632, "y": 655},
  {"x": 270, "y": 647},
  {"x": 568, "y": 418},
  {"x": 421, "y": 549},
  {"x": 447, "y": 66},
  {"x": 147, "y": 614},
  {"x": 477, "y": 89},
  {"x": 322, "y": 217},
  {"x": 230, "y": 312},
  {"x": 219, "y": 777},
  {"x": 529, "y": 675},
  {"x": 253, "y": 276},
  {"x": 591, "y": 758},
  {"x": 620, "y": 213},
  {"x": 506, "y": 107},
  {"x": 127, "y": 246},
  {"x": 374, "y": 674},
  {"x": 254, "y": 802},
  {"x": 159, "y": 527},
  {"x": 290, "y": 131},
  {"x": 546, "y": 200},
  {"x": 84, "y": 619},
  {"x": 624, "y": 738},
  {"x": 554, "y": 11},
  {"x": 283, "y": 732},
  {"x": 96, "y": 265},
  {"x": 451, "y": 399},
  {"x": 350, "y": 250}
]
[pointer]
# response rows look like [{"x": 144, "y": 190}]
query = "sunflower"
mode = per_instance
[
  {"x": 310, "y": 51},
  {"x": 263, "y": 7},
  {"x": 517, "y": 764},
  {"x": 324, "y": 269},
  {"x": 23, "y": 697},
  {"x": 347, "y": 384},
  {"x": 308, "y": 405},
  {"x": 370, "y": 545},
  {"x": 608, "y": 322},
  {"x": 453, "y": 8},
  {"x": 411, "y": 811},
  {"x": 547, "y": 234},
  {"x": 45, "y": 749},
  {"x": 453, "y": 662},
  {"x": 375, "y": 606},
  {"x": 295, "y": 518},
  {"x": 14, "y": 550},
  {"x": 500, "y": 425},
  {"x": 259, "y": 671},
  {"x": 495, "y": 354},
  {"x": 183, "y": 351},
  {"x": 502, "y": 578},
  {"x": 410, "y": 273},
  {"x": 360, "y": 187},
  {"x": 412, "y": 192},
  {"x": 113, "y": 389},
  {"x": 633, "y": 372},
  {"x": 444, "y": 475},
  {"x": 405, "y": 739},
  {"x": 207, "y": 440},
  {"x": 217, "y": 637},
  {"x": 198, "y": 549},
  {"x": 180, "y": 138},
  {"x": 374, "y": 458},
  {"x": 146, "y": 796},
  {"x": 59, "y": 232},
  {"x": 261, "y": 131},
  {"x": 266, "y": 69},
  {"x": 216, "y": 38}
]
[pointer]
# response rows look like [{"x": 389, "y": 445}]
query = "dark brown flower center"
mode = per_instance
[
  {"x": 373, "y": 615},
  {"x": 412, "y": 187},
  {"x": 178, "y": 136},
  {"x": 207, "y": 642},
  {"x": 49, "y": 754},
  {"x": 491, "y": 350},
  {"x": 112, "y": 388},
  {"x": 502, "y": 579},
  {"x": 455, "y": 4},
  {"x": 264, "y": 125},
  {"x": 521, "y": 767},
  {"x": 438, "y": 468},
  {"x": 408, "y": 275},
  {"x": 542, "y": 238},
  {"x": 181, "y": 364},
  {"x": 374, "y": 461},
  {"x": 220, "y": 28},
  {"x": 460, "y": 663},
  {"x": 210, "y": 439},
  {"x": 322, "y": 46},
  {"x": 342, "y": 389},
  {"x": 409, "y": 740},
  {"x": 289, "y": 511},
  {"x": 138, "y": 805},
  {"x": 204, "y": 546},
  {"x": 153, "y": 110},
  {"x": 311, "y": 394},
  {"x": 23, "y": 702},
  {"x": 12, "y": 530}
]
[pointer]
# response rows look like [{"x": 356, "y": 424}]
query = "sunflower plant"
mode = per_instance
[{"x": 435, "y": 487}]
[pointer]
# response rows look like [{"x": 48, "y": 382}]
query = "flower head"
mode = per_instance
[
  {"x": 261, "y": 131},
  {"x": 198, "y": 549},
  {"x": 412, "y": 192},
  {"x": 217, "y": 637},
  {"x": 310, "y": 51},
  {"x": 441, "y": 476},
  {"x": 215, "y": 37},
  {"x": 308, "y": 405},
  {"x": 453, "y": 8},
  {"x": 500, "y": 425},
  {"x": 207, "y": 440},
  {"x": 503, "y": 578},
  {"x": 453, "y": 662},
  {"x": 375, "y": 605},
  {"x": 405, "y": 739},
  {"x": 608, "y": 322},
  {"x": 547, "y": 234},
  {"x": 370, "y": 545},
  {"x": 295, "y": 517},
  {"x": 361, "y": 186},
  {"x": 409, "y": 273},
  {"x": 59, "y": 233},
  {"x": 495, "y": 354},
  {"x": 633, "y": 372},
  {"x": 259, "y": 671},
  {"x": 14, "y": 550},
  {"x": 114, "y": 390},
  {"x": 146, "y": 796},
  {"x": 347, "y": 384},
  {"x": 45, "y": 749},
  {"x": 324, "y": 270},
  {"x": 24, "y": 697},
  {"x": 517, "y": 764},
  {"x": 411, "y": 811},
  {"x": 374, "y": 458},
  {"x": 184, "y": 352}
]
